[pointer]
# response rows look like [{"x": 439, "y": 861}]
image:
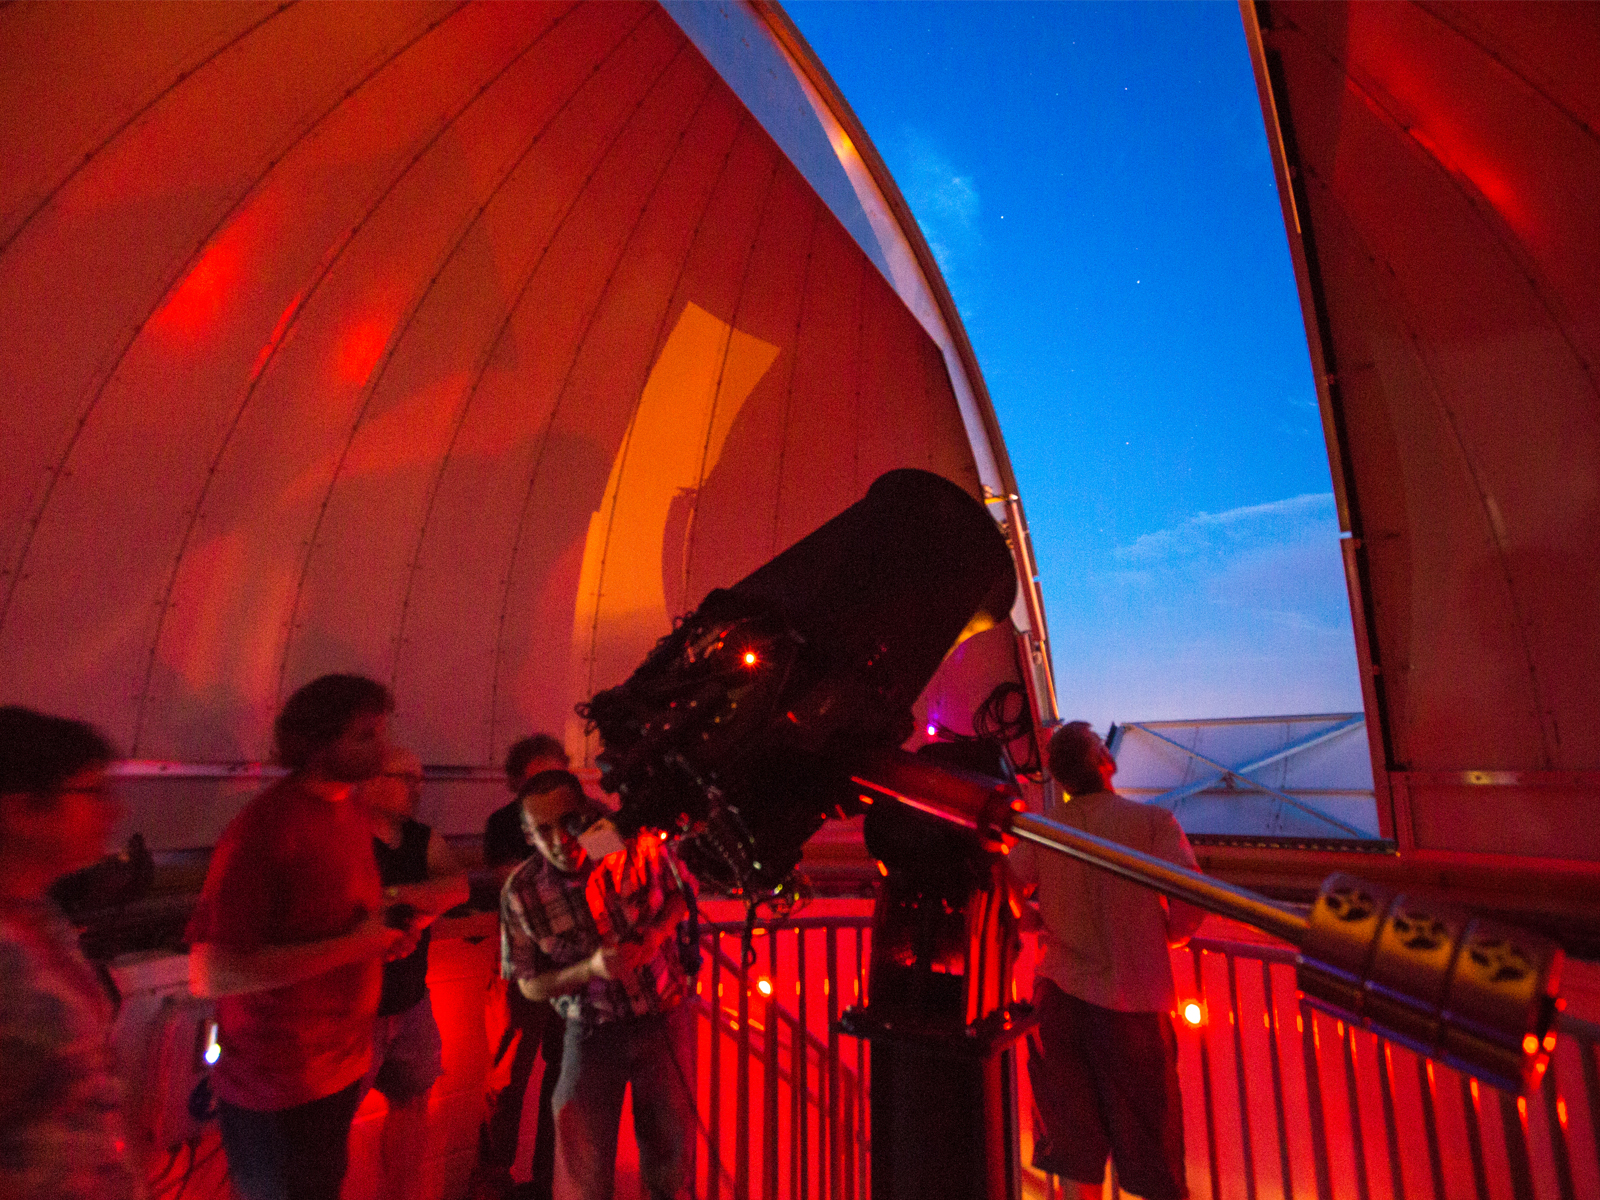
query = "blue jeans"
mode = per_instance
[
  {"x": 656, "y": 1054},
  {"x": 297, "y": 1153}
]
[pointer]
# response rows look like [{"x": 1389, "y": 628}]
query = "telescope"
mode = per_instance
[{"x": 784, "y": 700}]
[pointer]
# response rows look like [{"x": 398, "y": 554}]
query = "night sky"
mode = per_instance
[{"x": 1095, "y": 182}]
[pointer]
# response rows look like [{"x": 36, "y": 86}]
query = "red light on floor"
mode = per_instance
[
  {"x": 750, "y": 658},
  {"x": 1193, "y": 1014},
  {"x": 764, "y": 986}
]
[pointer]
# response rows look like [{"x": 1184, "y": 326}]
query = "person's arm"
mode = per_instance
[
  {"x": 445, "y": 887},
  {"x": 607, "y": 962},
  {"x": 563, "y": 981},
  {"x": 217, "y": 970},
  {"x": 1170, "y": 844}
]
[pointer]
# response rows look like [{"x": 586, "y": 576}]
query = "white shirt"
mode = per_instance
[{"x": 1105, "y": 939}]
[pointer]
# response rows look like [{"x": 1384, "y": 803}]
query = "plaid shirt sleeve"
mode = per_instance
[
  {"x": 519, "y": 946},
  {"x": 634, "y": 888}
]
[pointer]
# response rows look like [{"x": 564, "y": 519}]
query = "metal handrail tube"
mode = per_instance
[{"x": 1178, "y": 882}]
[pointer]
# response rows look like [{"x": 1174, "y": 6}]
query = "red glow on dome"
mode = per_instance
[
  {"x": 197, "y": 301},
  {"x": 360, "y": 349}
]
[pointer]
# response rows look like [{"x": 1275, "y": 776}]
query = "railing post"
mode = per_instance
[
  {"x": 1358, "y": 1142},
  {"x": 1391, "y": 1131},
  {"x": 1205, "y": 1076},
  {"x": 1311, "y": 1050},
  {"x": 802, "y": 1087},
  {"x": 1239, "y": 1077},
  {"x": 1430, "y": 1125},
  {"x": 863, "y": 1089},
  {"x": 1480, "y": 1171},
  {"x": 741, "y": 1122},
  {"x": 769, "y": 1078},
  {"x": 1282, "y": 1117},
  {"x": 1555, "y": 1116},
  {"x": 1514, "y": 1125},
  {"x": 835, "y": 1192},
  {"x": 1591, "y": 1088},
  {"x": 714, "y": 1124}
]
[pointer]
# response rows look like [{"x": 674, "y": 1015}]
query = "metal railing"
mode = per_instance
[
  {"x": 783, "y": 1100},
  {"x": 1281, "y": 1099},
  {"x": 1294, "y": 1102}
]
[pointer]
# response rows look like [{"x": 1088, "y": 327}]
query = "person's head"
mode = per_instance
[
  {"x": 394, "y": 791},
  {"x": 555, "y": 811},
  {"x": 532, "y": 756},
  {"x": 1079, "y": 760},
  {"x": 337, "y": 727},
  {"x": 56, "y": 808}
]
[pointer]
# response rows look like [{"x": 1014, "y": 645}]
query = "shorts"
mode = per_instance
[
  {"x": 1106, "y": 1083},
  {"x": 407, "y": 1054}
]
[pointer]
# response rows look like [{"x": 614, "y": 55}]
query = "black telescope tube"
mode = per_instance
[{"x": 1178, "y": 882}]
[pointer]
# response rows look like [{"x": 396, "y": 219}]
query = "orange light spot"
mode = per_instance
[
  {"x": 1193, "y": 1013},
  {"x": 663, "y": 835},
  {"x": 764, "y": 986},
  {"x": 1561, "y": 1111},
  {"x": 1530, "y": 1044},
  {"x": 359, "y": 350},
  {"x": 750, "y": 658},
  {"x": 1472, "y": 1086},
  {"x": 1549, "y": 1042},
  {"x": 1522, "y": 1108},
  {"x": 882, "y": 870},
  {"x": 197, "y": 301}
]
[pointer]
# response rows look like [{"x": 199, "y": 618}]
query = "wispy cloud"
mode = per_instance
[
  {"x": 947, "y": 206},
  {"x": 1234, "y": 613},
  {"x": 1235, "y": 529}
]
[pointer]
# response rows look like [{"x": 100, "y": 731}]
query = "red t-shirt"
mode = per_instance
[{"x": 292, "y": 867}]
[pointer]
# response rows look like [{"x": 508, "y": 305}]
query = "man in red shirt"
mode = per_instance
[{"x": 289, "y": 935}]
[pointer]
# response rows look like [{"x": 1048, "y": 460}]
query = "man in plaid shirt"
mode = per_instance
[{"x": 595, "y": 937}]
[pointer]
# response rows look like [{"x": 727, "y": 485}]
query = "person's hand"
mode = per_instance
[
  {"x": 616, "y": 962},
  {"x": 405, "y": 942},
  {"x": 383, "y": 938}
]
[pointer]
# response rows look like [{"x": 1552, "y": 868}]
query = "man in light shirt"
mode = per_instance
[{"x": 1105, "y": 1063}]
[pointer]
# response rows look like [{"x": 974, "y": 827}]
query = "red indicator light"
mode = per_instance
[
  {"x": 1193, "y": 1014},
  {"x": 764, "y": 986},
  {"x": 750, "y": 658}
]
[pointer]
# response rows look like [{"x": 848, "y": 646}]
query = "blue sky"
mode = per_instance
[{"x": 1094, "y": 180}]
